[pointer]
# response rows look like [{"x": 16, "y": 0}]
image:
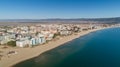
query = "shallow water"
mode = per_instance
[{"x": 97, "y": 49}]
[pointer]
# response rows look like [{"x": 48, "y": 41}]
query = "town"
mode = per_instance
[{"x": 32, "y": 35}]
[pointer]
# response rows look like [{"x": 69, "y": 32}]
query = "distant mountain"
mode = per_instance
[{"x": 78, "y": 20}]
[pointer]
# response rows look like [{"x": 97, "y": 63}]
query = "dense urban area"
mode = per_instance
[{"x": 31, "y": 35}]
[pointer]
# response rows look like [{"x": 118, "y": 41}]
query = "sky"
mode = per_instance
[{"x": 46, "y": 9}]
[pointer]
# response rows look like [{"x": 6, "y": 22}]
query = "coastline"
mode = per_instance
[{"x": 27, "y": 53}]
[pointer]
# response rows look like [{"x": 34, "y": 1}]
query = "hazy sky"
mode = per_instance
[{"x": 43, "y": 9}]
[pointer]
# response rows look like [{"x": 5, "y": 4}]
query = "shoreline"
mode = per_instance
[{"x": 27, "y": 53}]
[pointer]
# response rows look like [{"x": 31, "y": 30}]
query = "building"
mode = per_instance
[
  {"x": 50, "y": 36},
  {"x": 65, "y": 32},
  {"x": 22, "y": 43}
]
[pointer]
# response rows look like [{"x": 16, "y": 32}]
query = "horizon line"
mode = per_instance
[{"x": 56, "y": 18}]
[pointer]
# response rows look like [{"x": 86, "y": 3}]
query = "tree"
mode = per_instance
[
  {"x": 55, "y": 35},
  {"x": 11, "y": 43}
]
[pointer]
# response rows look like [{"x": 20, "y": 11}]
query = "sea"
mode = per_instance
[{"x": 96, "y": 49}]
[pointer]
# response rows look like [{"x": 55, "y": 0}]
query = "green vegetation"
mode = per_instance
[
  {"x": 11, "y": 43},
  {"x": 57, "y": 34}
]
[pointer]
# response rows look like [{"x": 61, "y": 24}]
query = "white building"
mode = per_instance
[
  {"x": 65, "y": 32},
  {"x": 22, "y": 43},
  {"x": 50, "y": 36}
]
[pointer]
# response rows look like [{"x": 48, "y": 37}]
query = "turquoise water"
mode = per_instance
[{"x": 97, "y": 49}]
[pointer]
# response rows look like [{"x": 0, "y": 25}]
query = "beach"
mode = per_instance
[{"x": 27, "y": 53}]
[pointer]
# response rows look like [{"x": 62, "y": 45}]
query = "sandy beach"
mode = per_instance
[{"x": 27, "y": 53}]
